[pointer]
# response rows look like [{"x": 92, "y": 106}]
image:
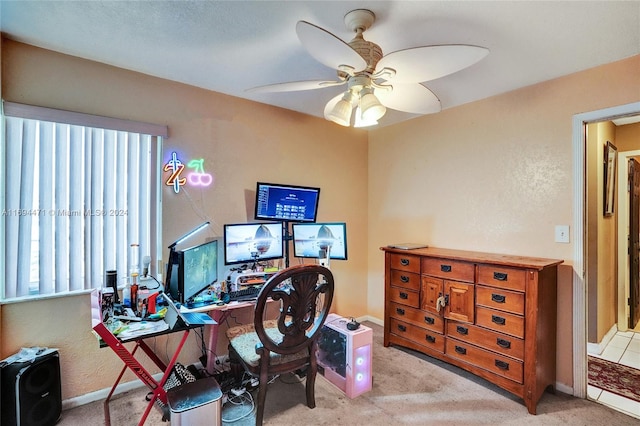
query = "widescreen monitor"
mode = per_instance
[
  {"x": 313, "y": 240},
  {"x": 192, "y": 270},
  {"x": 289, "y": 203},
  {"x": 252, "y": 242}
]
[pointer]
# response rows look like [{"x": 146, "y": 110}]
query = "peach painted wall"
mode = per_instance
[
  {"x": 494, "y": 175},
  {"x": 628, "y": 137},
  {"x": 601, "y": 237},
  {"x": 241, "y": 142}
]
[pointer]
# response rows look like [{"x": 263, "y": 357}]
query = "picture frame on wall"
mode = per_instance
[{"x": 610, "y": 165}]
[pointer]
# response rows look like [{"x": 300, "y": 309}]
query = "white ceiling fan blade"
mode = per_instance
[
  {"x": 414, "y": 98},
  {"x": 327, "y": 48},
  {"x": 430, "y": 62},
  {"x": 294, "y": 86}
]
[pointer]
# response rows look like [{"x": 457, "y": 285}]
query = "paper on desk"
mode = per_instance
[{"x": 136, "y": 329}]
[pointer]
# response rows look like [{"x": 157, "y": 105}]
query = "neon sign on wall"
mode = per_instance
[{"x": 176, "y": 168}]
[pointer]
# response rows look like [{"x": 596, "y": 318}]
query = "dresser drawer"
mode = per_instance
[
  {"x": 449, "y": 269},
  {"x": 418, "y": 335},
  {"x": 406, "y": 263},
  {"x": 498, "y": 298},
  {"x": 408, "y": 280},
  {"x": 417, "y": 317},
  {"x": 404, "y": 296},
  {"x": 503, "y": 366},
  {"x": 501, "y": 343},
  {"x": 502, "y": 322},
  {"x": 497, "y": 276}
]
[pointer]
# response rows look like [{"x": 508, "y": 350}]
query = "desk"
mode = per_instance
[{"x": 130, "y": 361}]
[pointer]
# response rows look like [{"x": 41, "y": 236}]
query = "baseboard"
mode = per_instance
[
  {"x": 597, "y": 348},
  {"x": 101, "y": 394},
  {"x": 561, "y": 387},
  {"x": 374, "y": 320}
]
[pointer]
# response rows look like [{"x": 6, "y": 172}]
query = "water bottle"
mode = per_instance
[{"x": 126, "y": 296}]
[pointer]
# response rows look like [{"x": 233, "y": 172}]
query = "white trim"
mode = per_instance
[
  {"x": 579, "y": 288},
  {"x": 101, "y": 395},
  {"x": 32, "y": 112},
  {"x": 3, "y": 189},
  {"x": 561, "y": 387},
  {"x": 598, "y": 348},
  {"x": 374, "y": 320}
]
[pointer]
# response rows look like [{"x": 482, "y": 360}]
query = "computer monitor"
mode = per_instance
[
  {"x": 288, "y": 203},
  {"x": 192, "y": 270},
  {"x": 252, "y": 242},
  {"x": 312, "y": 240}
]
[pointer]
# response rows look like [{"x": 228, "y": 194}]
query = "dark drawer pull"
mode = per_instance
[
  {"x": 429, "y": 320},
  {"x": 500, "y": 276},
  {"x": 430, "y": 339},
  {"x": 461, "y": 350},
  {"x": 445, "y": 268},
  {"x": 404, "y": 278},
  {"x": 498, "y": 298},
  {"x": 404, "y": 262},
  {"x": 402, "y": 327},
  {"x": 503, "y": 343},
  {"x": 498, "y": 320},
  {"x": 502, "y": 365},
  {"x": 400, "y": 311},
  {"x": 462, "y": 330},
  {"x": 403, "y": 295}
]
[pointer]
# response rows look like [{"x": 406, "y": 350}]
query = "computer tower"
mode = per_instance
[
  {"x": 31, "y": 391},
  {"x": 344, "y": 356}
]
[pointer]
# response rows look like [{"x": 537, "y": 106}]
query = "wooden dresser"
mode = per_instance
[{"x": 493, "y": 315}]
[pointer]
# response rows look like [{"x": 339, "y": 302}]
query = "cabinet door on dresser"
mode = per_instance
[
  {"x": 459, "y": 298},
  {"x": 431, "y": 291}
]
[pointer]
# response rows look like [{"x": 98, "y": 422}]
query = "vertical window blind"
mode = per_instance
[{"x": 79, "y": 190}]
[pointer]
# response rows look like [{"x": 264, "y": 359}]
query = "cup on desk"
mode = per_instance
[{"x": 111, "y": 280}]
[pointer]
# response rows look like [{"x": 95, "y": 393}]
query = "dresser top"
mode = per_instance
[{"x": 479, "y": 257}]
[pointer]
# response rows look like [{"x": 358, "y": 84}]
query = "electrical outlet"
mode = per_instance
[{"x": 562, "y": 234}]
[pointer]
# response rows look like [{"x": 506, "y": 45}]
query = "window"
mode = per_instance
[{"x": 79, "y": 189}]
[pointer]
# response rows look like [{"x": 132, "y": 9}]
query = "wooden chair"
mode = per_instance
[{"x": 288, "y": 343}]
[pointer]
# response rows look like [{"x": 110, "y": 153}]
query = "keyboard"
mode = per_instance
[{"x": 248, "y": 293}]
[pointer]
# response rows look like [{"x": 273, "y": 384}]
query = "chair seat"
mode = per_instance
[{"x": 243, "y": 339}]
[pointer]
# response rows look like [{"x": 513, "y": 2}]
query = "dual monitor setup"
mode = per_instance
[{"x": 195, "y": 269}]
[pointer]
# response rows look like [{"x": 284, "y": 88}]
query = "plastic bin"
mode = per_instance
[{"x": 196, "y": 403}]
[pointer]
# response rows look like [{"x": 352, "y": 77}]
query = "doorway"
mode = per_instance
[{"x": 580, "y": 291}]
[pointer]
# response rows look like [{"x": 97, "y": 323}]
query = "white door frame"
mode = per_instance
[{"x": 579, "y": 288}]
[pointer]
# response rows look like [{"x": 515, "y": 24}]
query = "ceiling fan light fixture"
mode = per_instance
[
  {"x": 341, "y": 112},
  {"x": 361, "y": 122},
  {"x": 372, "y": 109}
]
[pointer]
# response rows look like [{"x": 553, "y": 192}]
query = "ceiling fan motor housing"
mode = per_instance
[
  {"x": 358, "y": 21},
  {"x": 369, "y": 51}
]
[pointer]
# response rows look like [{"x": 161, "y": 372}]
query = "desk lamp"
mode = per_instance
[{"x": 172, "y": 249}]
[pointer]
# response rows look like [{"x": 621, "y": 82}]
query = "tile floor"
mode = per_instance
[{"x": 624, "y": 348}]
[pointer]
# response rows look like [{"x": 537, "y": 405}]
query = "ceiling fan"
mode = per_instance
[{"x": 375, "y": 81}]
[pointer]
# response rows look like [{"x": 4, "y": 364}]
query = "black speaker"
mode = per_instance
[{"x": 31, "y": 394}]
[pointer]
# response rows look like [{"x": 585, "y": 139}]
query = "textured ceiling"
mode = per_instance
[{"x": 231, "y": 46}]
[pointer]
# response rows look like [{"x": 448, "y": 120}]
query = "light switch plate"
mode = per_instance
[{"x": 562, "y": 234}]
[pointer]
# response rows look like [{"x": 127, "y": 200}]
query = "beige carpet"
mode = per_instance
[{"x": 408, "y": 388}]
